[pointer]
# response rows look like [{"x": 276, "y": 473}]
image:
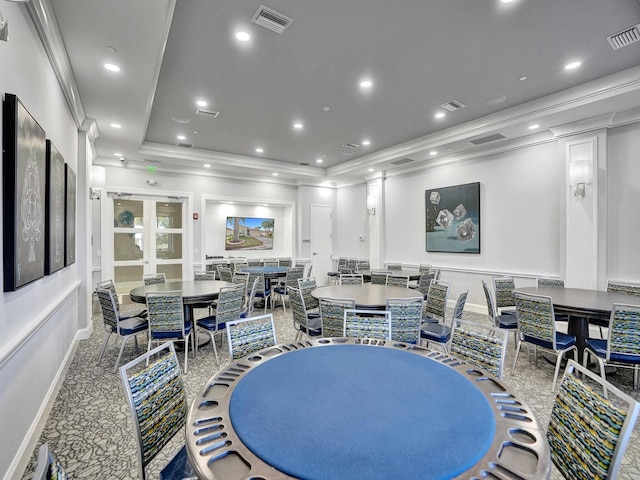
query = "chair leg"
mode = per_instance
[
  {"x": 186, "y": 353},
  {"x": 104, "y": 347},
  {"x": 124, "y": 341},
  {"x": 515, "y": 360},
  {"x": 213, "y": 342}
]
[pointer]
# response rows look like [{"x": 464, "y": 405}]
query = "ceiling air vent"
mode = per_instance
[
  {"x": 185, "y": 145},
  {"x": 207, "y": 113},
  {"x": 271, "y": 19},
  {"x": 490, "y": 138},
  {"x": 453, "y": 105},
  {"x": 627, "y": 37},
  {"x": 402, "y": 161}
]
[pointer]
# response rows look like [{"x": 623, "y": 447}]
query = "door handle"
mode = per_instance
[{"x": 315, "y": 253}]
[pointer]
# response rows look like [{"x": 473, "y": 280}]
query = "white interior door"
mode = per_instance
[{"x": 321, "y": 242}]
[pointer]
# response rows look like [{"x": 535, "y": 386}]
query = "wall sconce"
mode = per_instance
[
  {"x": 94, "y": 193},
  {"x": 372, "y": 203},
  {"x": 580, "y": 175}
]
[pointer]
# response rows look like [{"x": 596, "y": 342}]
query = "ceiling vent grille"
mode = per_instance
[
  {"x": 350, "y": 145},
  {"x": 627, "y": 37},
  {"x": 402, "y": 161},
  {"x": 453, "y": 105},
  {"x": 271, "y": 19},
  {"x": 207, "y": 113},
  {"x": 490, "y": 138}
]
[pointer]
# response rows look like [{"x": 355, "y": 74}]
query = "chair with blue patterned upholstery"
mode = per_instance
[
  {"x": 206, "y": 276},
  {"x": 228, "y": 308},
  {"x": 304, "y": 322},
  {"x": 537, "y": 327},
  {"x": 379, "y": 277},
  {"x": 166, "y": 320},
  {"x": 394, "y": 266},
  {"x": 351, "y": 279},
  {"x": 290, "y": 280},
  {"x": 109, "y": 285},
  {"x": 424, "y": 282},
  {"x": 250, "y": 335},
  {"x": 225, "y": 273},
  {"x": 553, "y": 282},
  {"x": 406, "y": 317},
  {"x": 505, "y": 320},
  {"x": 332, "y": 315},
  {"x": 154, "y": 278},
  {"x": 440, "y": 333},
  {"x": 481, "y": 345},
  {"x": 158, "y": 401},
  {"x": 250, "y": 300},
  {"x": 615, "y": 286},
  {"x": 261, "y": 291},
  {"x": 435, "y": 307},
  {"x": 48, "y": 467},
  {"x": 398, "y": 281},
  {"x": 285, "y": 262},
  {"x": 367, "y": 324},
  {"x": 503, "y": 286},
  {"x": 122, "y": 327},
  {"x": 342, "y": 264},
  {"x": 622, "y": 345},
  {"x": 306, "y": 286},
  {"x": 587, "y": 432}
]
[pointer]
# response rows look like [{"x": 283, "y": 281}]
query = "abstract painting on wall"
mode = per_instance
[
  {"x": 70, "y": 217},
  {"x": 453, "y": 219},
  {"x": 23, "y": 182},
  {"x": 244, "y": 233},
  {"x": 54, "y": 211}
]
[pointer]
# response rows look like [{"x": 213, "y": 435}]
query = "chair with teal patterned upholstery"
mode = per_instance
[
  {"x": 250, "y": 301},
  {"x": 424, "y": 282},
  {"x": 332, "y": 315},
  {"x": 424, "y": 268},
  {"x": 363, "y": 264},
  {"x": 398, "y": 281},
  {"x": 440, "y": 332},
  {"x": 537, "y": 327},
  {"x": 304, "y": 322},
  {"x": 206, "y": 276},
  {"x": 158, "y": 401},
  {"x": 394, "y": 266},
  {"x": 367, "y": 324},
  {"x": 435, "y": 307},
  {"x": 406, "y": 317},
  {"x": 122, "y": 327},
  {"x": 242, "y": 278},
  {"x": 622, "y": 345},
  {"x": 503, "y": 286},
  {"x": 285, "y": 262},
  {"x": 154, "y": 278},
  {"x": 166, "y": 320},
  {"x": 626, "y": 288},
  {"x": 351, "y": 279},
  {"x": 228, "y": 308},
  {"x": 481, "y": 345},
  {"x": 587, "y": 432},
  {"x": 306, "y": 286},
  {"x": 379, "y": 277},
  {"x": 261, "y": 290},
  {"x": 48, "y": 467},
  {"x": 342, "y": 264},
  {"x": 505, "y": 320},
  {"x": 290, "y": 280},
  {"x": 553, "y": 282},
  {"x": 225, "y": 273},
  {"x": 250, "y": 335},
  {"x": 255, "y": 262},
  {"x": 109, "y": 285},
  {"x": 271, "y": 262}
]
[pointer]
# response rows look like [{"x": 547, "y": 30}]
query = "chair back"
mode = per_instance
[
  {"x": 255, "y": 262},
  {"x": 342, "y": 262},
  {"x": 550, "y": 282},
  {"x": 624, "y": 334},
  {"x": 271, "y": 262},
  {"x": 587, "y": 432},
  {"x": 251, "y": 298},
  {"x": 398, "y": 281},
  {"x": 166, "y": 314},
  {"x": 352, "y": 264},
  {"x": 425, "y": 281},
  {"x": 379, "y": 277},
  {"x": 241, "y": 278},
  {"x": 394, "y": 266},
  {"x": 285, "y": 262},
  {"x": 306, "y": 286},
  {"x": 239, "y": 264},
  {"x": 481, "y": 345},
  {"x": 536, "y": 321},
  {"x": 363, "y": 264},
  {"x": 351, "y": 279},
  {"x": 157, "y": 399},
  {"x": 623, "y": 287},
  {"x": 459, "y": 308},
  {"x": 225, "y": 273},
  {"x": 229, "y": 307},
  {"x": 491, "y": 306},
  {"x": 204, "y": 276},
  {"x": 298, "y": 308},
  {"x": 332, "y": 315},
  {"x": 109, "y": 285},
  {"x": 367, "y": 324},
  {"x": 293, "y": 275},
  {"x": 249, "y": 335},
  {"x": 406, "y": 316},
  {"x": 154, "y": 278},
  {"x": 436, "y": 304},
  {"x": 260, "y": 288},
  {"x": 48, "y": 467},
  {"x": 109, "y": 309},
  {"x": 424, "y": 268},
  {"x": 504, "y": 287}
]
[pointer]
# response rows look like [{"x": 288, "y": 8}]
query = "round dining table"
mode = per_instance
[
  {"x": 366, "y": 296},
  {"x": 361, "y": 409}
]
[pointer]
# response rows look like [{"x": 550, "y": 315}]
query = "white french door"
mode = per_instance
[
  {"x": 321, "y": 242},
  {"x": 144, "y": 235}
]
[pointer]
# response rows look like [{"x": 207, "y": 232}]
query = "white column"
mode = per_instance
[{"x": 375, "y": 191}]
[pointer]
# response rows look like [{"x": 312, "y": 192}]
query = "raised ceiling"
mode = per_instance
[{"x": 503, "y": 61}]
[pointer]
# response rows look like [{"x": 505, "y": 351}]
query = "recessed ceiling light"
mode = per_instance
[
  {"x": 116, "y": 125},
  {"x": 116, "y": 154},
  {"x": 366, "y": 84},
  {"x": 195, "y": 132},
  {"x": 433, "y": 152},
  {"x": 111, "y": 67},
  {"x": 523, "y": 78},
  {"x": 298, "y": 126},
  {"x": 275, "y": 174},
  {"x": 534, "y": 126},
  {"x": 259, "y": 150},
  {"x": 507, "y": 1},
  {"x": 201, "y": 103},
  {"x": 243, "y": 36},
  {"x": 439, "y": 115},
  {"x": 366, "y": 142},
  {"x": 318, "y": 160},
  {"x": 207, "y": 165},
  {"x": 370, "y": 169},
  {"x": 326, "y": 109},
  {"x": 181, "y": 137},
  {"x": 572, "y": 65}
]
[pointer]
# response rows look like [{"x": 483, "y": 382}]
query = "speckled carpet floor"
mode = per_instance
[{"x": 89, "y": 427}]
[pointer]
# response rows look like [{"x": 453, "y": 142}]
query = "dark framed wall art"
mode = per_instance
[
  {"x": 23, "y": 181},
  {"x": 70, "y": 217},
  {"x": 453, "y": 219},
  {"x": 54, "y": 211}
]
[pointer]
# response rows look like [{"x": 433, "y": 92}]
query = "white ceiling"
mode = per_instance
[{"x": 419, "y": 54}]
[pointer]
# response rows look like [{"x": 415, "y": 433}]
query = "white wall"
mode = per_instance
[{"x": 39, "y": 321}]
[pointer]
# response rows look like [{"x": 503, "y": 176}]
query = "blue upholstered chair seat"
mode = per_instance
[
  {"x": 599, "y": 346},
  {"x": 137, "y": 313},
  {"x": 178, "y": 468},
  {"x": 263, "y": 294},
  {"x": 563, "y": 341},
  {"x": 435, "y": 332},
  {"x": 210, "y": 323},
  {"x": 508, "y": 320},
  {"x": 280, "y": 290},
  {"x": 131, "y": 325},
  {"x": 429, "y": 319},
  {"x": 314, "y": 324},
  {"x": 188, "y": 326}
]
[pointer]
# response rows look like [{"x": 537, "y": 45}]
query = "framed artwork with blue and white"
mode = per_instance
[{"x": 452, "y": 219}]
